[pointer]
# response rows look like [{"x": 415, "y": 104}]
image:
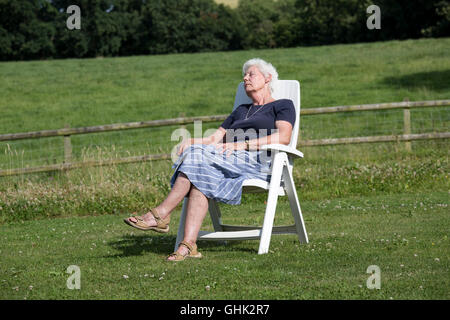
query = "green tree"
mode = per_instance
[
  {"x": 325, "y": 22},
  {"x": 259, "y": 17},
  {"x": 26, "y": 30},
  {"x": 102, "y": 29},
  {"x": 441, "y": 28},
  {"x": 190, "y": 26}
]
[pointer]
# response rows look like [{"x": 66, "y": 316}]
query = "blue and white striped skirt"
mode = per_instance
[{"x": 218, "y": 176}]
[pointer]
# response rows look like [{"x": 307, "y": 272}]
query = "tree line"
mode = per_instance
[{"x": 37, "y": 29}]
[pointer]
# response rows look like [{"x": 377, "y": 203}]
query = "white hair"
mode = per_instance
[{"x": 266, "y": 69}]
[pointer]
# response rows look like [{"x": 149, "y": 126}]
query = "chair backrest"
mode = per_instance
[{"x": 285, "y": 89}]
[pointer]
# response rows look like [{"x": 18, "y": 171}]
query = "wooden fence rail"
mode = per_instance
[
  {"x": 68, "y": 132},
  {"x": 215, "y": 118}
]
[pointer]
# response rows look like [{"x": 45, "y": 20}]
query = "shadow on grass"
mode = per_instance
[
  {"x": 433, "y": 80},
  {"x": 136, "y": 245}
]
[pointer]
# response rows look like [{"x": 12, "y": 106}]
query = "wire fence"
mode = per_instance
[{"x": 30, "y": 152}]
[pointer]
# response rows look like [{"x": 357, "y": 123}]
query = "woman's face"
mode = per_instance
[{"x": 254, "y": 79}]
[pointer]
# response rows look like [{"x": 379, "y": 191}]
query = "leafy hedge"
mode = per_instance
[{"x": 36, "y": 29}]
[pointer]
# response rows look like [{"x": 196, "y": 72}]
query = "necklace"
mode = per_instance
[{"x": 246, "y": 117}]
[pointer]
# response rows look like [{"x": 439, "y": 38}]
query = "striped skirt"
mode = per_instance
[{"x": 218, "y": 176}]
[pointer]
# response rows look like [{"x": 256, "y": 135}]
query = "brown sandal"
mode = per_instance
[
  {"x": 162, "y": 224},
  {"x": 192, "y": 253}
]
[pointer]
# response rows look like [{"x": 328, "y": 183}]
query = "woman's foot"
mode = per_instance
[
  {"x": 182, "y": 250},
  {"x": 185, "y": 249},
  {"x": 149, "y": 221}
]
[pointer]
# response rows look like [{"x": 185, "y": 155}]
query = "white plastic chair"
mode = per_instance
[{"x": 281, "y": 184}]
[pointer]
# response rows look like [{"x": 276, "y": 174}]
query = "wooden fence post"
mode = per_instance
[
  {"x": 407, "y": 124},
  {"x": 67, "y": 147}
]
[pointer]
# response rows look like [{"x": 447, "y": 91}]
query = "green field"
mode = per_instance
[
  {"x": 40, "y": 95},
  {"x": 368, "y": 204}
]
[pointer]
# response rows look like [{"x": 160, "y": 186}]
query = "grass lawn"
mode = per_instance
[{"x": 406, "y": 235}]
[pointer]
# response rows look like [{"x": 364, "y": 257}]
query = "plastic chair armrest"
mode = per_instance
[{"x": 283, "y": 148}]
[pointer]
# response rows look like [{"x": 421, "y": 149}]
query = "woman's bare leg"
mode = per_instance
[
  {"x": 196, "y": 212},
  {"x": 180, "y": 189},
  {"x": 196, "y": 209}
]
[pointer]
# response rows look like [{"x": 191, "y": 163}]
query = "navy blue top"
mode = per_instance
[{"x": 260, "y": 117}]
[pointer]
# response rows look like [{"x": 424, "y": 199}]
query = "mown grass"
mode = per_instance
[{"x": 406, "y": 235}]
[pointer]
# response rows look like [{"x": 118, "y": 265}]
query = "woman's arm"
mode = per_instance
[
  {"x": 282, "y": 136},
  {"x": 212, "y": 139}
]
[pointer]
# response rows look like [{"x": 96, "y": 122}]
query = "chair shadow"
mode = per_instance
[
  {"x": 433, "y": 80},
  {"x": 136, "y": 245}
]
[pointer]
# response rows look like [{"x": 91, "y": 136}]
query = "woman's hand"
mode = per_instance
[
  {"x": 183, "y": 145},
  {"x": 229, "y": 147}
]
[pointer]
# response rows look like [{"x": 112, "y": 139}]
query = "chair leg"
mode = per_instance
[
  {"x": 272, "y": 198},
  {"x": 180, "y": 234},
  {"x": 295, "y": 205},
  {"x": 214, "y": 212}
]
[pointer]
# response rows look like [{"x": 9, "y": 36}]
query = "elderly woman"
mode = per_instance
[{"x": 216, "y": 166}]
